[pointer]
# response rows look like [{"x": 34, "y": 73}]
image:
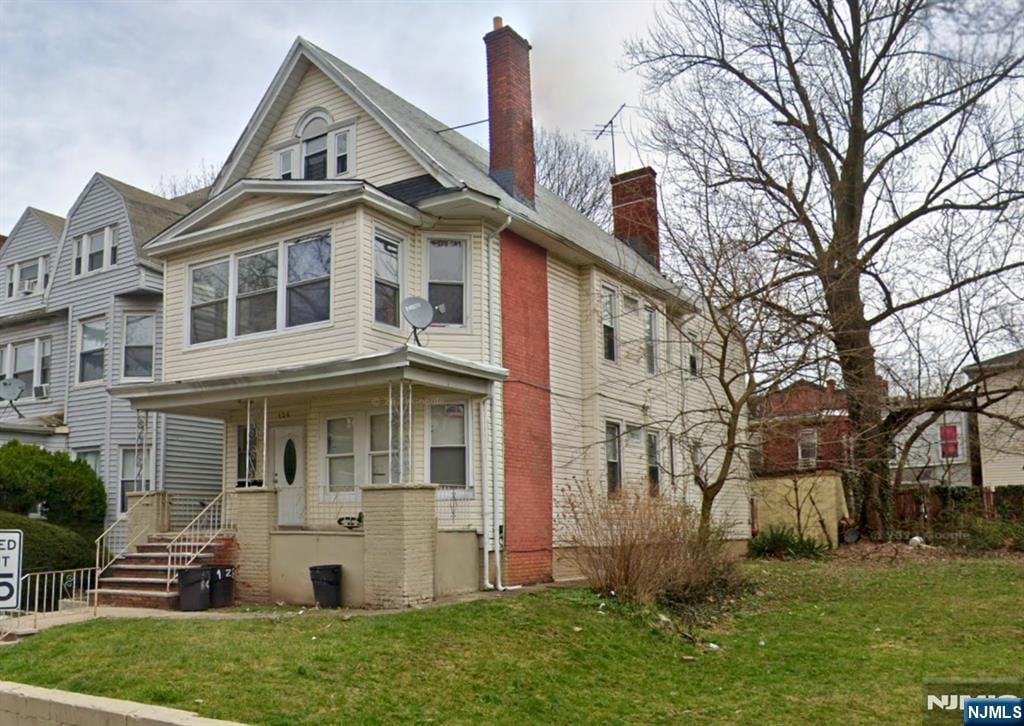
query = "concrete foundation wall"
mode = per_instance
[
  {"x": 293, "y": 553},
  {"x": 457, "y": 563}
]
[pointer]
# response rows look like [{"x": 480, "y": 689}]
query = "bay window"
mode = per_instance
[
  {"x": 139, "y": 339},
  {"x": 309, "y": 281},
  {"x": 448, "y": 444},
  {"x": 387, "y": 286},
  {"x": 209, "y": 302},
  {"x": 92, "y": 343},
  {"x": 446, "y": 287},
  {"x": 256, "y": 292}
]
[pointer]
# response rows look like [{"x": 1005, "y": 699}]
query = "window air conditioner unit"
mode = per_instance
[
  {"x": 28, "y": 286},
  {"x": 42, "y": 391}
]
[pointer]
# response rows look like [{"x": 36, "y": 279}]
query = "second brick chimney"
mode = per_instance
[
  {"x": 635, "y": 212},
  {"x": 510, "y": 112}
]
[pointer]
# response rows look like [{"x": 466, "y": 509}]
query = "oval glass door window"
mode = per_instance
[{"x": 291, "y": 461}]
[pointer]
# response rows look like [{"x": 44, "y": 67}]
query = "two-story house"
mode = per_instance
[
  {"x": 430, "y": 464},
  {"x": 81, "y": 311}
]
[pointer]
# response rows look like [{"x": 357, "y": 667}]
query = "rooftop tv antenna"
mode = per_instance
[
  {"x": 419, "y": 313},
  {"x": 608, "y": 128},
  {"x": 11, "y": 389}
]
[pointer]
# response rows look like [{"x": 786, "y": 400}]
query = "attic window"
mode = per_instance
[
  {"x": 314, "y": 149},
  {"x": 96, "y": 250}
]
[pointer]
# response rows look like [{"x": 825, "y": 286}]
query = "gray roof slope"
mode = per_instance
[
  {"x": 53, "y": 223},
  {"x": 148, "y": 214},
  {"x": 469, "y": 162}
]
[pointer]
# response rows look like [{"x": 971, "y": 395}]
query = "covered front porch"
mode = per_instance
[{"x": 384, "y": 463}]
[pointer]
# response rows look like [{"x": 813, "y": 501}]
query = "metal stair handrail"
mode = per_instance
[
  {"x": 122, "y": 521},
  {"x": 182, "y": 550}
]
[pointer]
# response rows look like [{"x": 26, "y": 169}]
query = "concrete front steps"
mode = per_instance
[{"x": 139, "y": 579}]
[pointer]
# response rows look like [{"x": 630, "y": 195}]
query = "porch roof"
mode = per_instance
[{"x": 406, "y": 363}]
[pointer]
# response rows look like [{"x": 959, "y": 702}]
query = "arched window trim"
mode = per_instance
[{"x": 310, "y": 115}]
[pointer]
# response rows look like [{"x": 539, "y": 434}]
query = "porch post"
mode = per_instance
[{"x": 399, "y": 544}]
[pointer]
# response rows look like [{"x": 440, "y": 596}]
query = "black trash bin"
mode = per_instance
[
  {"x": 222, "y": 585},
  {"x": 193, "y": 589},
  {"x": 326, "y": 585}
]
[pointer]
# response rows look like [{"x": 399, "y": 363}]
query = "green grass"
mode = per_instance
[{"x": 843, "y": 642}]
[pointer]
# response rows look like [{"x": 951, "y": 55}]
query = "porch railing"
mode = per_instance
[
  {"x": 118, "y": 538},
  {"x": 191, "y": 541},
  {"x": 50, "y": 595}
]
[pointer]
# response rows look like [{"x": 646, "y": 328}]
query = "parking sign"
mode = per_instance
[{"x": 10, "y": 568}]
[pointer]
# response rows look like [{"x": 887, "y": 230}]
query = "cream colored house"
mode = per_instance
[
  {"x": 1000, "y": 437},
  {"x": 425, "y": 467}
]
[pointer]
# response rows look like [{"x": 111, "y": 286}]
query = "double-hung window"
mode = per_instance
[
  {"x": 694, "y": 359},
  {"x": 90, "y": 457},
  {"x": 387, "y": 285},
  {"x": 139, "y": 339},
  {"x": 341, "y": 152},
  {"x": 651, "y": 340},
  {"x": 25, "y": 365},
  {"x": 92, "y": 344},
  {"x": 209, "y": 302},
  {"x": 380, "y": 449},
  {"x": 28, "y": 278},
  {"x": 256, "y": 292},
  {"x": 29, "y": 363},
  {"x": 309, "y": 281},
  {"x": 653, "y": 464},
  {"x": 949, "y": 441},
  {"x": 446, "y": 288},
  {"x": 96, "y": 250},
  {"x": 135, "y": 473},
  {"x": 314, "y": 149},
  {"x": 613, "y": 455},
  {"x": 45, "y": 357},
  {"x": 807, "y": 449},
  {"x": 608, "y": 322},
  {"x": 284, "y": 163},
  {"x": 341, "y": 454},
  {"x": 448, "y": 444}
]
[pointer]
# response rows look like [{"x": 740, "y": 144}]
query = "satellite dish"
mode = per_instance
[
  {"x": 11, "y": 389},
  {"x": 419, "y": 313}
]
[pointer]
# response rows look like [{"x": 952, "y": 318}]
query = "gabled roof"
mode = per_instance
[
  {"x": 453, "y": 160},
  {"x": 148, "y": 214},
  {"x": 54, "y": 223},
  {"x": 51, "y": 222},
  {"x": 1012, "y": 359}
]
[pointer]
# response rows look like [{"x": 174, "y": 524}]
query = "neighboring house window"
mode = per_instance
[
  {"x": 134, "y": 478},
  {"x": 209, "y": 302},
  {"x": 653, "y": 464},
  {"x": 608, "y": 322},
  {"x": 12, "y": 280},
  {"x": 387, "y": 282},
  {"x": 446, "y": 288},
  {"x": 448, "y": 444},
  {"x": 256, "y": 292},
  {"x": 284, "y": 164},
  {"x": 29, "y": 363},
  {"x": 694, "y": 359},
  {"x": 807, "y": 449},
  {"x": 92, "y": 343},
  {"x": 3, "y": 362},
  {"x": 25, "y": 365},
  {"x": 96, "y": 250},
  {"x": 949, "y": 438},
  {"x": 28, "y": 278},
  {"x": 309, "y": 281},
  {"x": 650, "y": 340},
  {"x": 139, "y": 339},
  {"x": 380, "y": 449},
  {"x": 341, "y": 155},
  {"x": 90, "y": 457},
  {"x": 613, "y": 455},
  {"x": 341, "y": 454},
  {"x": 314, "y": 149},
  {"x": 45, "y": 357}
]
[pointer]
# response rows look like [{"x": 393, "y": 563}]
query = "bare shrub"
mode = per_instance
[{"x": 643, "y": 549}]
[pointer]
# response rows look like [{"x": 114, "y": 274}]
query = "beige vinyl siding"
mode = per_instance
[
  {"x": 1002, "y": 446},
  {"x": 319, "y": 343},
  {"x": 379, "y": 158},
  {"x": 252, "y": 206}
]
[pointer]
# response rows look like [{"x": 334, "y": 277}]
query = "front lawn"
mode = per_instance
[{"x": 824, "y": 642}]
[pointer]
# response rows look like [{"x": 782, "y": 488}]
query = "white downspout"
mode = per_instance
[{"x": 484, "y": 476}]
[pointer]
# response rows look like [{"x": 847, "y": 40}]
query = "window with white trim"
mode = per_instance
[
  {"x": 341, "y": 152},
  {"x": 133, "y": 478},
  {"x": 29, "y": 362},
  {"x": 92, "y": 344},
  {"x": 90, "y": 457},
  {"x": 387, "y": 284},
  {"x": 807, "y": 449},
  {"x": 651, "y": 340},
  {"x": 314, "y": 149},
  {"x": 96, "y": 250},
  {"x": 29, "y": 277},
  {"x": 694, "y": 359},
  {"x": 208, "y": 315},
  {"x": 448, "y": 450},
  {"x": 630, "y": 305},
  {"x": 613, "y": 455},
  {"x": 25, "y": 365},
  {"x": 446, "y": 286},
  {"x": 139, "y": 341},
  {"x": 284, "y": 164},
  {"x": 653, "y": 445},
  {"x": 380, "y": 449},
  {"x": 608, "y": 322},
  {"x": 341, "y": 454},
  {"x": 308, "y": 296},
  {"x": 256, "y": 276}
]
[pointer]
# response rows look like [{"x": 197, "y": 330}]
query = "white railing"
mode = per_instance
[
  {"x": 191, "y": 541},
  {"x": 118, "y": 538},
  {"x": 49, "y": 595}
]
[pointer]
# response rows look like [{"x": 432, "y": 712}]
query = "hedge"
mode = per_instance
[{"x": 49, "y": 547}]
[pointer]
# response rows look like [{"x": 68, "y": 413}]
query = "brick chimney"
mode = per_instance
[
  {"x": 635, "y": 211},
  {"x": 510, "y": 112}
]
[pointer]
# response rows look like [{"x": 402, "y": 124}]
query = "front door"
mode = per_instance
[{"x": 290, "y": 475}]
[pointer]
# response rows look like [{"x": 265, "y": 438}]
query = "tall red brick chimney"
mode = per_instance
[
  {"x": 635, "y": 212},
  {"x": 510, "y": 112}
]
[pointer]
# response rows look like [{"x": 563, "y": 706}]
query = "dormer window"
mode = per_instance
[
  {"x": 96, "y": 250},
  {"x": 29, "y": 277},
  {"x": 324, "y": 149}
]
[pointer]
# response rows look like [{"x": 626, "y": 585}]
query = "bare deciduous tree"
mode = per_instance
[
  {"x": 576, "y": 172},
  {"x": 873, "y": 153},
  {"x": 190, "y": 181}
]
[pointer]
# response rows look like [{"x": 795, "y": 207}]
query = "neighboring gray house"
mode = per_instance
[
  {"x": 99, "y": 317},
  {"x": 941, "y": 453}
]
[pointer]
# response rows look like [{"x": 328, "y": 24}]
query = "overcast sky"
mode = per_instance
[{"x": 140, "y": 90}]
